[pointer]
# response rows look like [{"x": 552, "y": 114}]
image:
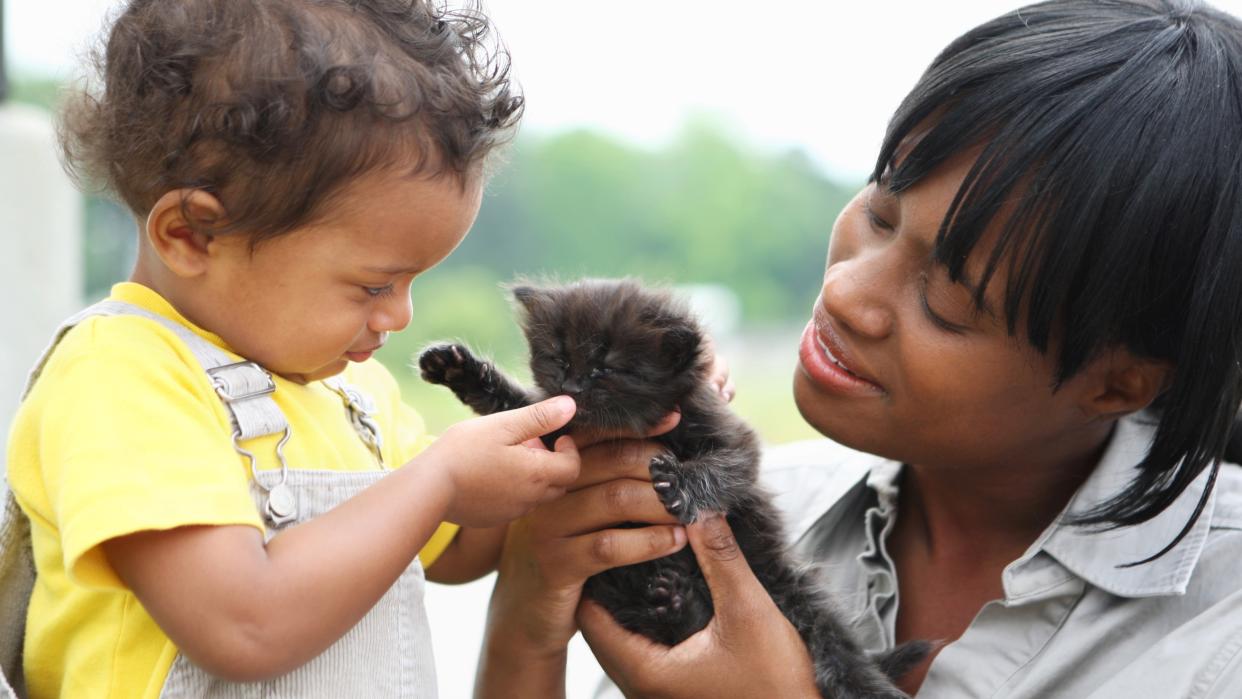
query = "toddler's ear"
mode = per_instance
[{"x": 173, "y": 229}]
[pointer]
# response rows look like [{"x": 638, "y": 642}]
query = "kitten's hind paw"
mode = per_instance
[
  {"x": 676, "y": 607},
  {"x": 444, "y": 364},
  {"x": 666, "y": 479},
  {"x": 665, "y": 596}
]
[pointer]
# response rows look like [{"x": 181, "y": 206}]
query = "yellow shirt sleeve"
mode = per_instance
[{"x": 131, "y": 440}]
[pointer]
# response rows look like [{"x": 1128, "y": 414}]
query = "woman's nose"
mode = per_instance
[{"x": 859, "y": 296}]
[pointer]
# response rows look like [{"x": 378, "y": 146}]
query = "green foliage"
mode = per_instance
[
  {"x": 40, "y": 92},
  {"x": 702, "y": 210}
]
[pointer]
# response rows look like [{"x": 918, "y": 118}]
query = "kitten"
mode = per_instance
[{"x": 629, "y": 356}]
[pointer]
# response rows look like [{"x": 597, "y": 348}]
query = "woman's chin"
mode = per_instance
[
  {"x": 808, "y": 404},
  {"x": 823, "y": 415}
]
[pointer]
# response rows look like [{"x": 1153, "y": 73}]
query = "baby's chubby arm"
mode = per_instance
[
  {"x": 246, "y": 611},
  {"x": 471, "y": 554}
]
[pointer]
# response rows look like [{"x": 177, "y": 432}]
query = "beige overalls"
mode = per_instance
[{"x": 387, "y": 654}]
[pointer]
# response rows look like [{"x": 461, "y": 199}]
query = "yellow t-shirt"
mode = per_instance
[{"x": 123, "y": 433}]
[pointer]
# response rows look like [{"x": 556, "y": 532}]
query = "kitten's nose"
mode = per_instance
[{"x": 571, "y": 386}]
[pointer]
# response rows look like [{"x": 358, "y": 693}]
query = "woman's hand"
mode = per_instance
[
  {"x": 718, "y": 375},
  {"x": 550, "y": 553},
  {"x": 748, "y": 649}
]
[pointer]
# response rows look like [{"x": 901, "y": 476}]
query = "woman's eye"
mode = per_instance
[
  {"x": 873, "y": 218},
  {"x": 936, "y": 319}
]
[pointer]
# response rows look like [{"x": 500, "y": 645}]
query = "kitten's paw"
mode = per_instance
[
  {"x": 666, "y": 479},
  {"x": 444, "y": 364},
  {"x": 665, "y": 596}
]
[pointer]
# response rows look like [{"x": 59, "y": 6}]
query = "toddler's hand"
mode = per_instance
[{"x": 495, "y": 474}]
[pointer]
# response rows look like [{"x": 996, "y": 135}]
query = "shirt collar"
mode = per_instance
[
  {"x": 150, "y": 300},
  {"x": 1097, "y": 556},
  {"x": 1092, "y": 554}
]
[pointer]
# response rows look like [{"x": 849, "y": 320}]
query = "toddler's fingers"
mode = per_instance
[
  {"x": 535, "y": 420},
  {"x": 565, "y": 463},
  {"x": 552, "y": 493},
  {"x": 556, "y": 469}
]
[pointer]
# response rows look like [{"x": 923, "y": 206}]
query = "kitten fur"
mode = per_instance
[{"x": 629, "y": 355}]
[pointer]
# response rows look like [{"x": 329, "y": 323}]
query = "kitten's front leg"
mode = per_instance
[
  {"x": 475, "y": 382},
  {"x": 709, "y": 482}
]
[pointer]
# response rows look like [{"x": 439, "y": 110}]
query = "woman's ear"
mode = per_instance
[
  {"x": 171, "y": 229},
  {"x": 1125, "y": 383}
]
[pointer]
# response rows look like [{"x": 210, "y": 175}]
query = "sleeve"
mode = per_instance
[
  {"x": 133, "y": 441},
  {"x": 409, "y": 438}
]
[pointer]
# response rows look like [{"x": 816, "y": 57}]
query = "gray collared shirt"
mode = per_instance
[{"x": 1072, "y": 624}]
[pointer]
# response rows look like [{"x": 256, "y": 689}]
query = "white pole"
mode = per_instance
[{"x": 40, "y": 246}]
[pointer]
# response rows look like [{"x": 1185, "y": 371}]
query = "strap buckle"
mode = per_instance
[
  {"x": 241, "y": 381},
  {"x": 361, "y": 410}
]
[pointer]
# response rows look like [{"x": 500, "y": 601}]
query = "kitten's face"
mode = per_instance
[{"x": 626, "y": 355}]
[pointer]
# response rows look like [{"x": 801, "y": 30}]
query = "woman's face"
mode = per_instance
[{"x": 897, "y": 361}]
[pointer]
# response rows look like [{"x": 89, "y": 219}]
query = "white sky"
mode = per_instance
[{"x": 818, "y": 75}]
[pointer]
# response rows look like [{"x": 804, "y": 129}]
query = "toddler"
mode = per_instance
[{"x": 226, "y": 496}]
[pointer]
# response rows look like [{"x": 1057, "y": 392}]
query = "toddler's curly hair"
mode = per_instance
[{"x": 273, "y": 106}]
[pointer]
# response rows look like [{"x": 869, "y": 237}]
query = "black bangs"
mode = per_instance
[{"x": 1109, "y": 137}]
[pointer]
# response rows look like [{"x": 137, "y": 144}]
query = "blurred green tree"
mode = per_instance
[{"x": 701, "y": 210}]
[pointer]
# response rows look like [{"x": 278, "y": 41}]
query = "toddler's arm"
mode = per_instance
[
  {"x": 247, "y": 611},
  {"x": 472, "y": 554}
]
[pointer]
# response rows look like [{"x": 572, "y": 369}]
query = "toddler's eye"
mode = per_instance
[{"x": 377, "y": 290}]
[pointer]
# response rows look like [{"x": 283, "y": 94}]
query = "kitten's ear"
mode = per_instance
[
  {"x": 681, "y": 345},
  {"x": 528, "y": 297}
]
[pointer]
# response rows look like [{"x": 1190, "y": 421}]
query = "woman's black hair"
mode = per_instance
[{"x": 1110, "y": 134}]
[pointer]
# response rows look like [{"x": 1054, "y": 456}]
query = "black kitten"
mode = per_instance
[{"x": 628, "y": 356}]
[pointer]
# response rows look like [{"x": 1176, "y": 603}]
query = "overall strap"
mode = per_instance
[
  {"x": 244, "y": 387},
  {"x": 246, "y": 390}
]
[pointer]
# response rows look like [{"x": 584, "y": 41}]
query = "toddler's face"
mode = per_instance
[
  {"x": 929, "y": 379},
  {"x": 307, "y": 303}
]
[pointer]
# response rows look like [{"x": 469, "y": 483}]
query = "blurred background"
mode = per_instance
[{"x": 703, "y": 143}]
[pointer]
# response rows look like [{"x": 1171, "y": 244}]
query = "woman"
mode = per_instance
[{"x": 1027, "y": 352}]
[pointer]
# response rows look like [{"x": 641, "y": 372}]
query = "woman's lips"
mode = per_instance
[{"x": 825, "y": 366}]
